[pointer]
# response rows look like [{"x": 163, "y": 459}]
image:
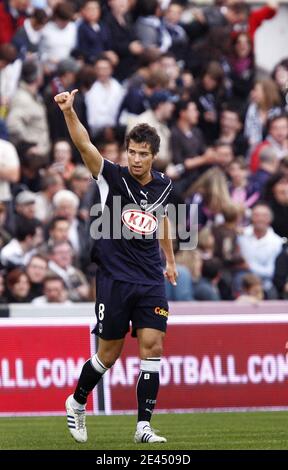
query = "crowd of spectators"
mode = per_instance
[{"x": 191, "y": 73}]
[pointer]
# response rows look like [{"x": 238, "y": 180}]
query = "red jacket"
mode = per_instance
[
  {"x": 9, "y": 24},
  {"x": 256, "y": 18}
]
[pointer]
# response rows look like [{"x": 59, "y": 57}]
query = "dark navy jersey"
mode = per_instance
[{"x": 128, "y": 249}]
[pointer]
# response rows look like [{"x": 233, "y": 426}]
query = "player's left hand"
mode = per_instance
[{"x": 171, "y": 273}]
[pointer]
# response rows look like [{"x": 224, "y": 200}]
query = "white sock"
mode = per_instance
[
  {"x": 141, "y": 424},
  {"x": 76, "y": 406}
]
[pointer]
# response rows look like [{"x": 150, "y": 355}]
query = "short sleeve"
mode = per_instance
[{"x": 111, "y": 172}]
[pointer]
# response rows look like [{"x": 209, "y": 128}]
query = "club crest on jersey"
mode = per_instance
[
  {"x": 143, "y": 204},
  {"x": 139, "y": 221}
]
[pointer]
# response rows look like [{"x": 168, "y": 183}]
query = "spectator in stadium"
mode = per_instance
[
  {"x": 93, "y": 36},
  {"x": 162, "y": 107},
  {"x": 252, "y": 290},
  {"x": 189, "y": 157},
  {"x": 9, "y": 169},
  {"x": 10, "y": 70},
  {"x": 231, "y": 130},
  {"x": 27, "y": 38},
  {"x": 20, "y": 249},
  {"x": 277, "y": 138},
  {"x": 206, "y": 288},
  {"x": 25, "y": 204},
  {"x": 54, "y": 291},
  {"x": 36, "y": 271},
  {"x": 209, "y": 94},
  {"x": 149, "y": 29},
  {"x": 224, "y": 155},
  {"x": 66, "y": 204},
  {"x": 242, "y": 67},
  {"x": 260, "y": 246},
  {"x": 64, "y": 79},
  {"x": 206, "y": 243},
  {"x": 58, "y": 230},
  {"x": 172, "y": 21},
  {"x": 61, "y": 256},
  {"x": 264, "y": 98},
  {"x": 123, "y": 38},
  {"x": 12, "y": 16},
  {"x": 242, "y": 191},
  {"x": 210, "y": 192},
  {"x": 5, "y": 235},
  {"x": 280, "y": 75},
  {"x": 18, "y": 286},
  {"x": 27, "y": 119},
  {"x": 51, "y": 183},
  {"x": 83, "y": 186},
  {"x": 276, "y": 194},
  {"x": 280, "y": 278},
  {"x": 104, "y": 98},
  {"x": 268, "y": 166},
  {"x": 170, "y": 66},
  {"x": 62, "y": 159},
  {"x": 58, "y": 37}
]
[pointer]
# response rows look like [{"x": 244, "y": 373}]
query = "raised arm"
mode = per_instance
[{"x": 89, "y": 153}]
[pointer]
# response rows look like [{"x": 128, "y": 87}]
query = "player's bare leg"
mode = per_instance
[
  {"x": 92, "y": 372},
  {"x": 150, "y": 349}
]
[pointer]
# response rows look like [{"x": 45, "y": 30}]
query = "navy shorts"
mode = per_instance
[{"x": 118, "y": 303}]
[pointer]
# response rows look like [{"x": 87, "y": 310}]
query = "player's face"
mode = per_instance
[{"x": 140, "y": 159}]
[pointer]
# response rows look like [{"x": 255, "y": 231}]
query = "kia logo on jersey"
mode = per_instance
[{"x": 139, "y": 221}]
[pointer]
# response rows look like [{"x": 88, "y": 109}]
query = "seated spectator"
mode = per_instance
[
  {"x": 27, "y": 120},
  {"x": 277, "y": 139},
  {"x": 18, "y": 286},
  {"x": 36, "y": 271},
  {"x": 93, "y": 37},
  {"x": 206, "y": 288},
  {"x": 25, "y": 205},
  {"x": 242, "y": 191},
  {"x": 183, "y": 291},
  {"x": 148, "y": 27},
  {"x": 12, "y": 16},
  {"x": 223, "y": 155},
  {"x": 276, "y": 195},
  {"x": 10, "y": 70},
  {"x": 281, "y": 273},
  {"x": 54, "y": 291},
  {"x": 170, "y": 66},
  {"x": 104, "y": 98},
  {"x": 83, "y": 186},
  {"x": 268, "y": 166},
  {"x": 9, "y": 169},
  {"x": 20, "y": 249},
  {"x": 61, "y": 255},
  {"x": 51, "y": 183},
  {"x": 263, "y": 99},
  {"x": 231, "y": 130},
  {"x": 252, "y": 290},
  {"x": 172, "y": 21},
  {"x": 123, "y": 38},
  {"x": 260, "y": 246},
  {"x": 58, "y": 230},
  {"x": 5, "y": 235},
  {"x": 58, "y": 37},
  {"x": 242, "y": 67},
  {"x": 66, "y": 204},
  {"x": 206, "y": 243},
  {"x": 62, "y": 159},
  {"x": 280, "y": 76},
  {"x": 210, "y": 193},
  {"x": 27, "y": 38},
  {"x": 64, "y": 80}
]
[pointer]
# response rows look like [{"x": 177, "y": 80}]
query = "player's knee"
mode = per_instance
[
  {"x": 153, "y": 350},
  {"x": 108, "y": 358}
]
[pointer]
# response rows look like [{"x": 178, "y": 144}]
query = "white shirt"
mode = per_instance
[
  {"x": 9, "y": 160},
  {"x": 56, "y": 44},
  {"x": 260, "y": 253},
  {"x": 43, "y": 300},
  {"x": 13, "y": 253},
  {"x": 103, "y": 103}
]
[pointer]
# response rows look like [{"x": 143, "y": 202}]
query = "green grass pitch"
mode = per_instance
[{"x": 260, "y": 430}]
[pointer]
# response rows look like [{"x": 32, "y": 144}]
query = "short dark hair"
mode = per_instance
[
  {"x": 211, "y": 268},
  {"x": 54, "y": 221},
  {"x": 144, "y": 133},
  {"x": 23, "y": 230},
  {"x": 51, "y": 276}
]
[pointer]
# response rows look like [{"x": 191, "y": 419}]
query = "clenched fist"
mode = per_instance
[{"x": 65, "y": 100}]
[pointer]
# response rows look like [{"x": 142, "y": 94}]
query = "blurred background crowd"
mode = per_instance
[{"x": 188, "y": 71}]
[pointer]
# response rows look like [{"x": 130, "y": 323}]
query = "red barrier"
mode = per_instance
[{"x": 210, "y": 362}]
